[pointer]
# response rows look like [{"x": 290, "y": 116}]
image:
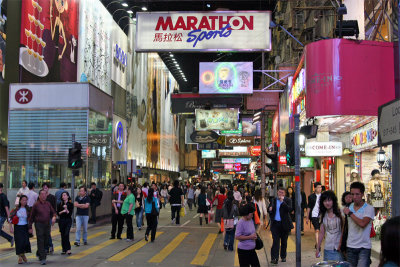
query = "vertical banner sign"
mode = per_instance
[
  {"x": 203, "y": 31},
  {"x": 3, "y": 22},
  {"x": 49, "y": 40}
]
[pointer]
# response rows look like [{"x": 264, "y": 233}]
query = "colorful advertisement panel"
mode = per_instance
[
  {"x": 49, "y": 40},
  {"x": 365, "y": 137},
  {"x": 217, "y": 119},
  {"x": 208, "y": 154},
  {"x": 226, "y": 78},
  {"x": 3, "y": 22},
  {"x": 203, "y": 31},
  {"x": 236, "y": 132},
  {"x": 275, "y": 128},
  {"x": 250, "y": 129}
]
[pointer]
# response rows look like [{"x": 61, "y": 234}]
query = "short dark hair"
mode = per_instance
[
  {"x": 131, "y": 188},
  {"x": 31, "y": 185},
  {"x": 84, "y": 187},
  {"x": 246, "y": 209},
  {"x": 176, "y": 183},
  {"x": 114, "y": 181},
  {"x": 281, "y": 188},
  {"x": 92, "y": 184},
  {"x": 1, "y": 185},
  {"x": 316, "y": 184},
  {"x": 45, "y": 184},
  {"x": 40, "y": 191},
  {"x": 222, "y": 190},
  {"x": 24, "y": 181},
  {"x": 358, "y": 185},
  {"x": 63, "y": 185},
  {"x": 375, "y": 171}
]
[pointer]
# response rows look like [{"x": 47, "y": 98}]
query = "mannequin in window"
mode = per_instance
[
  {"x": 354, "y": 177},
  {"x": 376, "y": 190}
]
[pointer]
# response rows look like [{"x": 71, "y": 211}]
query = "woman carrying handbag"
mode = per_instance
[
  {"x": 19, "y": 218},
  {"x": 152, "y": 210}
]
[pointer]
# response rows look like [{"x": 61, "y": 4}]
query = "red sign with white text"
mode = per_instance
[
  {"x": 255, "y": 151},
  {"x": 282, "y": 160}
]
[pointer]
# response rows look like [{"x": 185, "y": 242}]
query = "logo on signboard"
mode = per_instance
[
  {"x": 119, "y": 135},
  {"x": 23, "y": 96},
  {"x": 203, "y": 137},
  {"x": 120, "y": 57},
  {"x": 239, "y": 141}
]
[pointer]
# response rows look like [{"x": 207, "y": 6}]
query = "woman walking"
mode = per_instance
[
  {"x": 139, "y": 208},
  {"x": 229, "y": 214},
  {"x": 164, "y": 195},
  {"x": 331, "y": 225},
  {"x": 202, "y": 209},
  {"x": 64, "y": 211},
  {"x": 152, "y": 210},
  {"x": 246, "y": 234},
  {"x": 290, "y": 194},
  {"x": 220, "y": 200},
  {"x": 21, "y": 231},
  {"x": 128, "y": 210},
  {"x": 260, "y": 201}
]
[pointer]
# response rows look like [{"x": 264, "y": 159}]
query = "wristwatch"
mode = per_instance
[{"x": 350, "y": 212}]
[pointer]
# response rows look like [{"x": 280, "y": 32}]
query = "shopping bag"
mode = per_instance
[
  {"x": 182, "y": 212},
  {"x": 256, "y": 217},
  {"x": 210, "y": 216},
  {"x": 222, "y": 225},
  {"x": 373, "y": 233}
]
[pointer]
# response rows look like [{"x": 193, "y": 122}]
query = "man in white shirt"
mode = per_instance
[
  {"x": 236, "y": 194},
  {"x": 32, "y": 195},
  {"x": 360, "y": 216},
  {"x": 313, "y": 209}
]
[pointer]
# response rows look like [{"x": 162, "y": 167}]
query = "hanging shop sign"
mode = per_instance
[
  {"x": 208, "y": 154},
  {"x": 213, "y": 145},
  {"x": 255, "y": 151},
  {"x": 324, "y": 149},
  {"x": 204, "y": 137},
  {"x": 237, "y": 167},
  {"x": 239, "y": 141},
  {"x": 236, "y": 151},
  {"x": 282, "y": 160},
  {"x": 228, "y": 166},
  {"x": 217, "y": 119},
  {"x": 389, "y": 123},
  {"x": 267, "y": 100},
  {"x": 365, "y": 137},
  {"x": 226, "y": 78},
  {"x": 203, "y": 31},
  {"x": 238, "y": 131},
  {"x": 306, "y": 162},
  {"x": 119, "y": 135}
]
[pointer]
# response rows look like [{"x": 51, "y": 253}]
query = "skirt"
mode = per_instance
[
  {"x": 218, "y": 215},
  {"x": 21, "y": 237},
  {"x": 202, "y": 209}
]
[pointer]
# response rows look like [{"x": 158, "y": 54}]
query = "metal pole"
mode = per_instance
[
  {"x": 262, "y": 153},
  {"x": 297, "y": 190},
  {"x": 396, "y": 147},
  {"x": 73, "y": 185}
]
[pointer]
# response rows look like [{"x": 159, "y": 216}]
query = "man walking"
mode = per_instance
[
  {"x": 117, "y": 218},
  {"x": 82, "y": 215},
  {"x": 237, "y": 195},
  {"x": 4, "y": 214},
  {"x": 279, "y": 212},
  {"x": 176, "y": 201},
  {"x": 43, "y": 215},
  {"x": 313, "y": 209},
  {"x": 95, "y": 200},
  {"x": 52, "y": 200},
  {"x": 360, "y": 216},
  {"x": 32, "y": 195}
]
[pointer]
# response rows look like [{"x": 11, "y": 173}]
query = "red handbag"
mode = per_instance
[
  {"x": 15, "y": 220},
  {"x": 373, "y": 233}
]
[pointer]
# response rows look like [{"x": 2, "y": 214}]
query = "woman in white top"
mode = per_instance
[
  {"x": 260, "y": 201},
  {"x": 22, "y": 191},
  {"x": 164, "y": 195},
  {"x": 331, "y": 227}
]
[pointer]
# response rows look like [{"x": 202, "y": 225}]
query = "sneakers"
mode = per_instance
[
  {"x": 12, "y": 242},
  {"x": 43, "y": 262},
  {"x": 173, "y": 221},
  {"x": 146, "y": 237},
  {"x": 283, "y": 260},
  {"x": 77, "y": 244}
]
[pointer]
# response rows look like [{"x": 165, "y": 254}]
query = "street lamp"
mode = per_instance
[{"x": 381, "y": 157}]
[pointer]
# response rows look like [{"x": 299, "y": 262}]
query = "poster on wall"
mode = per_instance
[
  {"x": 3, "y": 21},
  {"x": 275, "y": 128},
  {"x": 95, "y": 52},
  {"x": 49, "y": 40},
  {"x": 217, "y": 119},
  {"x": 189, "y": 130},
  {"x": 226, "y": 78},
  {"x": 250, "y": 129}
]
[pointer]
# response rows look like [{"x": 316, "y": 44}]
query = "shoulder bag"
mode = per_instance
[{"x": 259, "y": 243}]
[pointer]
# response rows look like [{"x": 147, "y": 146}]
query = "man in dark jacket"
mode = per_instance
[
  {"x": 279, "y": 212},
  {"x": 313, "y": 209},
  {"x": 95, "y": 200}
]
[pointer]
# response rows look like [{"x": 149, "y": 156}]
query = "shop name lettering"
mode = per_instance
[
  {"x": 120, "y": 58},
  {"x": 206, "y": 27},
  {"x": 364, "y": 137},
  {"x": 325, "y": 147},
  {"x": 322, "y": 80},
  {"x": 239, "y": 141}
]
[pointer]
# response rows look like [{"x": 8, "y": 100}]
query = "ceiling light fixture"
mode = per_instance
[
  {"x": 124, "y": 4},
  {"x": 130, "y": 11},
  {"x": 171, "y": 55},
  {"x": 144, "y": 8}
]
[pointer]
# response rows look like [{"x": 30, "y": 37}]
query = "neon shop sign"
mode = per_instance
[{"x": 120, "y": 57}]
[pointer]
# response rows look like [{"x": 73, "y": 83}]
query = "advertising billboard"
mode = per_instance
[
  {"x": 203, "y": 31},
  {"x": 226, "y": 78},
  {"x": 324, "y": 149},
  {"x": 217, "y": 119},
  {"x": 250, "y": 129},
  {"x": 208, "y": 154},
  {"x": 49, "y": 40}
]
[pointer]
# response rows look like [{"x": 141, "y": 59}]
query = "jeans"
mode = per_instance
[
  {"x": 81, "y": 221},
  {"x": 2, "y": 233},
  {"x": 65, "y": 226},
  {"x": 175, "y": 209},
  {"x": 279, "y": 237},
  {"x": 139, "y": 217},
  {"x": 129, "y": 226},
  {"x": 359, "y": 257},
  {"x": 332, "y": 255},
  {"x": 229, "y": 238}
]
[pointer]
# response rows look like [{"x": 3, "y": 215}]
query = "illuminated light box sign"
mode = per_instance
[
  {"x": 238, "y": 167},
  {"x": 324, "y": 149},
  {"x": 226, "y": 78},
  {"x": 250, "y": 129},
  {"x": 203, "y": 31},
  {"x": 208, "y": 154},
  {"x": 236, "y": 160},
  {"x": 306, "y": 162},
  {"x": 238, "y": 131},
  {"x": 217, "y": 119},
  {"x": 228, "y": 166},
  {"x": 255, "y": 151}
]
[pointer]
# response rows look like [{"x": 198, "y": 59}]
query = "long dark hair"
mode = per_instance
[
  {"x": 257, "y": 195},
  {"x": 229, "y": 201},
  {"x": 69, "y": 198},
  {"x": 20, "y": 198},
  {"x": 345, "y": 194},
  {"x": 289, "y": 195},
  {"x": 150, "y": 195},
  {"x": 390, "y": 241},
  {"x": 329, "y": 195}
]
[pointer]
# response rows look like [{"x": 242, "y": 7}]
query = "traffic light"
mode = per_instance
[
  {"x": 273, "y": 166},
  {"x": 75, "y": 156},
  {"x": 289, "y": 140}
]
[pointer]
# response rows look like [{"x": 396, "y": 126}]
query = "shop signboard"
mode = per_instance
[
  {"x": 306, "y": 162},
  {"x": 282, "y": 160},
  {"x": 389, "y": 123},
  {"x": 119, "y": 56},
  {"x": 255, "y": 151},
  {"x": 324, "y": 149},
  {"x": 203, "y": 31},
  {"x": 226, "y": 78},
  {"x": 228, "y": 166},
  {"x": 267, "y": 100},
  {"x": 203, "y": 137},
  {"x": 189, "y": 130},
  {"x": 213, "y": 145},
  {"x": 250, "y": 129},
  {"x": 238, "y": 167},
  {"x": 236, "y": 160},
  {"x": 239, "y": 141},
  {"x": 238, "y": 131},
  {"x": 365, "y": 137},
  {"x": 236, "y": 151},
  {"x": 49, "y": 40},
  {"x": 208, "y": 154},
  {"x": 217, "y": 165},
  {"x": 217, "y": 119}
]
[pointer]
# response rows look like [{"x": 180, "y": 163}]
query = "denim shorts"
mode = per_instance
[
  {"x": 359, "y": 257},
  {"x": 332, "y": 255}
]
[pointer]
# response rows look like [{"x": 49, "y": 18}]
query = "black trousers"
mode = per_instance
[
  {"x": 279, "y": 237},
  {"x": 151, "y": 225},
  {"x": 21, "y": 237},
  {"x": 42, "y": 235},
  {"x": 65, "y": 226},
  {"x": 129, "y": 229},
  {"x": 175, "y": 209},
  {"x": 248, "y": 257},
  {"x": 93, "y": 211},
  {"x": 117, "y": 219}
]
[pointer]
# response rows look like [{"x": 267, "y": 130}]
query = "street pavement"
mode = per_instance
[{"x": 186, "y": 245}]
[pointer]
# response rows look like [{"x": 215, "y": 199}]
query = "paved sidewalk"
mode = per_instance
[{"x": 307, "y": 249}]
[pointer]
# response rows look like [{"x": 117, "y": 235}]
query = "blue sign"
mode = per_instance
[
  {"x": 121, "y": 56},
  {"x": 119, "y": 135},
  {"x": 122, "y": 162}
]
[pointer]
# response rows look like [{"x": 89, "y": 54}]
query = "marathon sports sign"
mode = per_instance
[
  {"x": 203, "y": 31},
  {"x": 239, "y": 141}
]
